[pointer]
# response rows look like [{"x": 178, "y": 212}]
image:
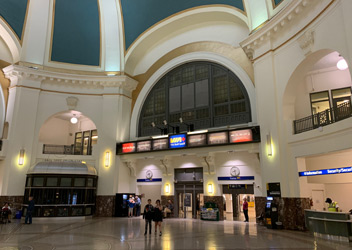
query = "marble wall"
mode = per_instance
[
  {"x": 219, "y": 200},
  {"x": 105, "y": 206},
  {"x": 291, "y": 211}
]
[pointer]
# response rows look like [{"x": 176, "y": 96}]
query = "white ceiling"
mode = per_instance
[{"x": 327, "y": 61}]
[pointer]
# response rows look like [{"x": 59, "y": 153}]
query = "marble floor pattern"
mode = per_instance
[{"x": 128, "y": 233}]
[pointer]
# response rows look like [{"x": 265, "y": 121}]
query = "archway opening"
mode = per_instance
[
  {"x": 318, "y": 92},
  {"x": 68, "y": 132}
]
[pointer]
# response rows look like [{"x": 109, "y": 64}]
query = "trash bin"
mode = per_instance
[{"x": 18, "y": 214}]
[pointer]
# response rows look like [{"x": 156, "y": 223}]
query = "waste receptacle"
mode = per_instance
[{"x": 18, "y": 214}]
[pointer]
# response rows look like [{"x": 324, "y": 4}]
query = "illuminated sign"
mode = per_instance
[
  {"x": 326, "y": 171},
  {"x": 177, "y": 141},
  {"x": 197, "y": 140},
  {"x": 144, "y": 146},
  {"x": 217, "y": 138},
  {"x": 128, "y": 147},
  {"x": 241, "y": 135},
  {"x": 160, "y": 144},
  {"x": 150, "y": 180},
  {"x": 236, "y": 178}
]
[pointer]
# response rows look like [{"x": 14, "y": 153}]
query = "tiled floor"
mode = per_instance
[{"x": 125, "y": 233}]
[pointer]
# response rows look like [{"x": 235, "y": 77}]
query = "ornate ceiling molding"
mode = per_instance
[
  {"x": 17, "y": 72},
  {"x": 284, "y": 23}
]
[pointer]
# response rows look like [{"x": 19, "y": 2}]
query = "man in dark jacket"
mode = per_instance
[
  {"x": 30, "y": 210},
  {"x": 148, "y": 216}
]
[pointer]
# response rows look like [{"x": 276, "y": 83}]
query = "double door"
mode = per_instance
[{"x": 188, "y": 200}]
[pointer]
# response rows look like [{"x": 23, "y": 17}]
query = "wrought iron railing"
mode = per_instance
[
  {"x": 323, "y": 118},
  {"x": 58, "y": 149}
]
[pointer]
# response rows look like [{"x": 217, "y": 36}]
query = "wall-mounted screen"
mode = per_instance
[
  {"x": 177, "y": 141},
  {"x": 144, "y": 146},
  {"x": 129, "y": 147},
  {"x": 160, "y": 144},
  {"x": 241, "y": 136},
  {"x": 197, "y": 140},
  {"x": 217, "y": 138}
]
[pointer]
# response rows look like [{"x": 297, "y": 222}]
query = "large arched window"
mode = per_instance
[{"x": 201, "y": 93}]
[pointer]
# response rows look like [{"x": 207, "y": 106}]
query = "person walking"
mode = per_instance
[
  {"x": 245, "y": 209},
  {"x": 30, "y": 210},
  {"x": 158, "y": 216},
  {"x": 148, "y": 216}
]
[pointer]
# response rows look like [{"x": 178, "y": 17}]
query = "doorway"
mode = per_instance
[
  {"x": 233, "y": 195},
  {"x": 189, "y": 199}
]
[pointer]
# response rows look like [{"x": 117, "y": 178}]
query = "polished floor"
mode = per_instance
[{"x": 128, "y": 233}]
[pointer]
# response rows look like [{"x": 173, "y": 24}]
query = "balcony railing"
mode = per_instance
[
  {"x": 58, "y": 149},
  {"x": 323, "y": 118}
]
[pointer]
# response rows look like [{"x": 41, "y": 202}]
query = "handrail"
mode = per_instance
[
  {"x": 324, "y": 118},
  {"x": 61, "y": 150}
]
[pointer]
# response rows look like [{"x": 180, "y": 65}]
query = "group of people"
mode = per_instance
[
  {"x": 134, "y": 206},
  {"x": 155, "y": 213},
  {"x": 6, "y": 213}
]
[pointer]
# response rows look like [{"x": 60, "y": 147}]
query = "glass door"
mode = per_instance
[{"x": 78, "y": 143}]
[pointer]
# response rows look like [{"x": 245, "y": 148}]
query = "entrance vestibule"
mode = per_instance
[{"x": 233, "y": 195}]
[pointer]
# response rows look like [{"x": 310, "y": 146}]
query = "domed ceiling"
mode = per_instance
[{"x": 76, "y": 35}]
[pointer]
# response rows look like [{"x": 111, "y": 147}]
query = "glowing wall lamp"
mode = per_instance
[
  {"x": 342, "y": 64},
  {"x": 167, "y": 188},
  {"x": 210, "y": 188},
  {"x": 269, "y": 145},
  {"x": 21, "y": 158},
  {"x": 107, "y": 159}
]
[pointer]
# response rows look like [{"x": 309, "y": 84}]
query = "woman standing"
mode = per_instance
[
  {"x": 158, "y": 216},
  {"x": 131, "y": 204}
]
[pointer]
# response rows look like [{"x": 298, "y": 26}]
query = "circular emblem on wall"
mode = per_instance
[
  {"x": 149, "y": 174},
  {"x": 235, "y": 171}
]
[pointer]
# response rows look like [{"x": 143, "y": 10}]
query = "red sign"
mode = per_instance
[
  {"x": 128, "y": 147},
  {"x": 241, "y": 135}
]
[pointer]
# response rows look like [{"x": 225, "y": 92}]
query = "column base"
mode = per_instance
[{"x": 105, "y": 206}]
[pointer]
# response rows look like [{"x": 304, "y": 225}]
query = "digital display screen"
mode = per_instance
[
  {"x": 128, "y": 147},
  {"x": 217, "y": 138},
  {"x": 197, "y": 140},
  {"x": 241, "y": 136},
  {"x": 268, "y": 205},
  {"x": 160, "y": 144},
  {"x": 177, "y": 141},
  {"x": 144, "y": 146}
]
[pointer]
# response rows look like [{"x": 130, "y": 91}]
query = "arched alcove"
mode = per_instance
[
  {"x": 62, "y": 134},
  {"x": 317, "y": 86}
]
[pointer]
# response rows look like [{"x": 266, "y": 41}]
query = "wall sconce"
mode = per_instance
[
  {"x": 167, "y": 188},
  {"x": 269, "y": 145},
  {"x": 21, "y": 158},
  {"x": 107, "y": 159},
  {"x": 210, "y": 188}
]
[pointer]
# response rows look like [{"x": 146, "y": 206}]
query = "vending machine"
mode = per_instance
[
  {"x": 121, "y": 204},
  {"x": 271, "y": 213}
]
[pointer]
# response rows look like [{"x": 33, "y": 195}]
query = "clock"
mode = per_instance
[
  {"x": 149, "y": 174},
  {"x": 235, "y": 171}
]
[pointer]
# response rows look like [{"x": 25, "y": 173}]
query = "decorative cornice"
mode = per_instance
[
  {"x": 84, "y": 81},
  {"x": 293, "y": 12}
]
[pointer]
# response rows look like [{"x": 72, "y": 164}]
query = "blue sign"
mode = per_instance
[
  {"x": 177, "y": 141},
  {"x": 326, "y": 171},
  {"x": 150, "y": 180},
  {"x": 236, "y": 178}
]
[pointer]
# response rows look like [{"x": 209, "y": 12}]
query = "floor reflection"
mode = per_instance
[{"x": 128, "y": 233}]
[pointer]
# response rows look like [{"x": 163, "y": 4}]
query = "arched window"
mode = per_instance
[{"x": 201, "y": 93}]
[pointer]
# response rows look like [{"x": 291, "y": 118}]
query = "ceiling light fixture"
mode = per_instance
[
  {"x": 74, "y": 119},
  {"x": 342, "y": 64}
]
